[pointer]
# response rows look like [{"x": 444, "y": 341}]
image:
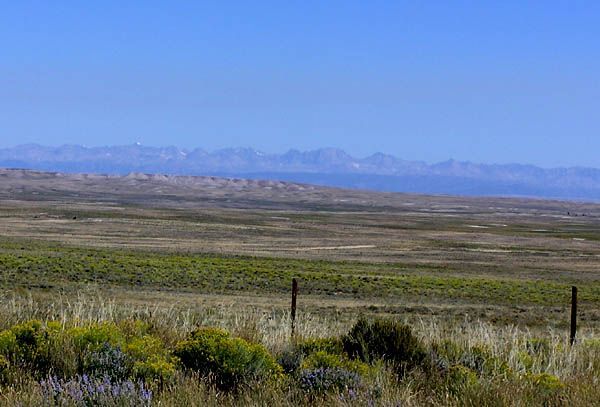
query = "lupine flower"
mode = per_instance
[
  {"x": 85, "y": 391},
  {"x": 325, "y": 379}
]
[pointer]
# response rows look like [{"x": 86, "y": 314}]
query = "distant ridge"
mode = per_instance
[{"x": 326, "y": 166}]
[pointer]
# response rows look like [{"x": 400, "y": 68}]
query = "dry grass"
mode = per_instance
[
  {"x": 525, "y": 246},
  {"x": 577, "y": 368}
]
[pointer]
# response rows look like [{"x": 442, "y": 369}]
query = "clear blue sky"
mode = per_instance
[{"x": 510, "y": 81}]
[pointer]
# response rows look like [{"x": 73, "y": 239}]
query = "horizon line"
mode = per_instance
[{"x": 184, "y": 149}]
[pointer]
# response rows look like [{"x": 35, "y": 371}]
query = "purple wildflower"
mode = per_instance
[{"x": 85, "y": 391}]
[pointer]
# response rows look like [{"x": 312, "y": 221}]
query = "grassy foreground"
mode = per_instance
[{"x": 87, "y": 349}]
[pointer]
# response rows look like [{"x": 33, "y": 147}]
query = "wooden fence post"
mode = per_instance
[
  {"x": 294, "y": 296},
  {"x": 573, "y": 314}
]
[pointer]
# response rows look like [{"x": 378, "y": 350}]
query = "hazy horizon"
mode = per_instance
[
  {"x": 292, "y": 148},
  {"x": 495, "y": 83}
]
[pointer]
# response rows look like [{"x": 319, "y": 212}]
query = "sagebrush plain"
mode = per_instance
[{"x": 182, "y": 252}]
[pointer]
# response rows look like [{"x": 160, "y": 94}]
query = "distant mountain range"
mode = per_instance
[{"x": 326, "y": 166}]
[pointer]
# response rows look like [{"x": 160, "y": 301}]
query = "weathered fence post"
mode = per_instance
[
  {"x": 573, "y": 314},
  {"x": 294, "y": 296}
]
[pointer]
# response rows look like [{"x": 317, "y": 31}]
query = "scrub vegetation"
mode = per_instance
[
  {"x": 92, "y": 351},
  {"x": 146, "y": 299}
]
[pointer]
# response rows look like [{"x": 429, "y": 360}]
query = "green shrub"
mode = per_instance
[
  {"x": 460, "y": 378},
  {"x": 152, "y": 360},
  {"x": 98, "y": 350},
  {"x": 133, "y": 328},
  {"x": 144, "y": 347},
  {"x": 8, "y": 342},
  {"x": 388, "y": 340},
  {"x": 525, "y": 360},
  {"x": 159, "y": 368},
  {"x": 4, "y": 366},
  {"x": 36, "y": 348},
  {"x": 28, "y": 334},
  {"x": 94, "y": 336},
  {"x": 209, "y": 333},
  {"x": 448, "y": 349},
  {"x": 330, "y": 345},
  {"x": 27, "y": 345},
  {"x": 444, "y": 354},
  {"x": 230, "y": 362},
  {"x": 546, "y": 385},
  {"x": 322, "y": 359},
  {"x": 478, "y": 359},
  {"x": 291, "y": 358},
  {"x": 454, "y": 364}
]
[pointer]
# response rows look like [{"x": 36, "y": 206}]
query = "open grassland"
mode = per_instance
[
  {"x": 483, "y": 283},
  {"x": 392, "y": 286},
  {"x": 506, "y": 261}
]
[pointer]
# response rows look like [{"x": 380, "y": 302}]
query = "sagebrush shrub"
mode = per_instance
[
  {"x": 229, "y": 361},
  {"x": 290, "y": 360},
  {"x": 387, "y": 340},
  {"x": 293, "y": 356}
]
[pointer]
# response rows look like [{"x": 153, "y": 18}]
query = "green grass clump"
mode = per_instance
[{"x": 230, "y": 362}]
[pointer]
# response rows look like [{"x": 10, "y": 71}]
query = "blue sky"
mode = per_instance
[{"x": 509, "y": 81}]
